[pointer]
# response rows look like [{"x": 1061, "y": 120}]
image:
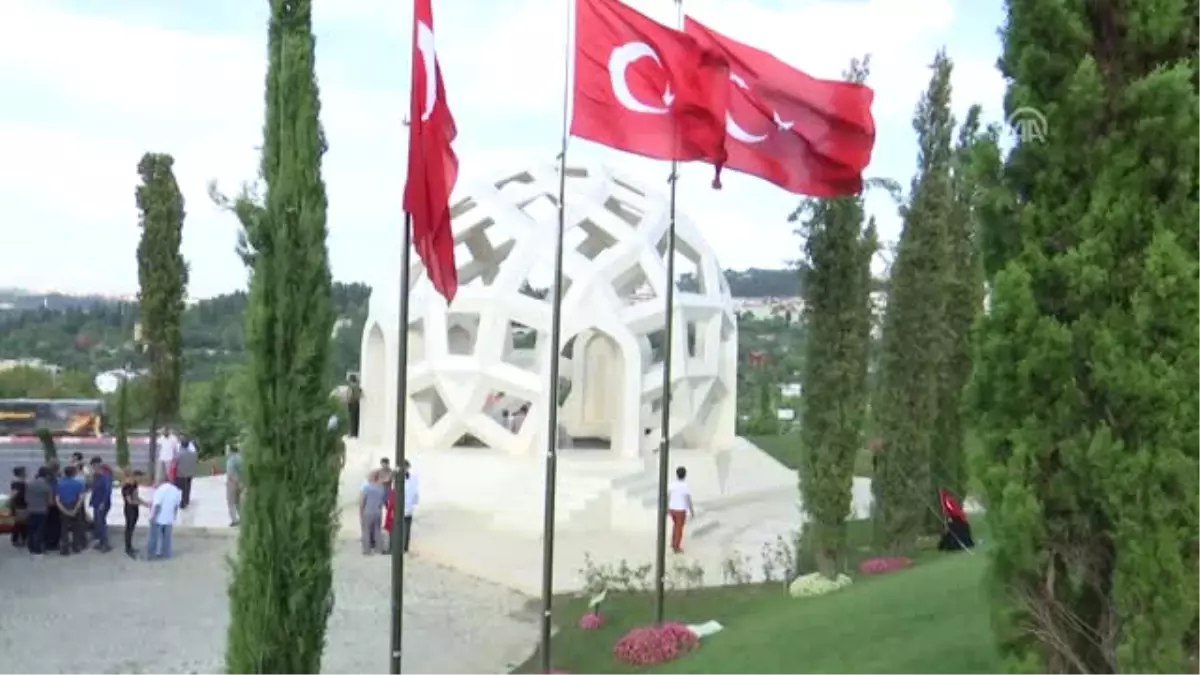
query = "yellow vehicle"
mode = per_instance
[{"x": 61, "y": 417}]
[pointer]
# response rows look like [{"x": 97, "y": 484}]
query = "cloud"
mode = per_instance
[{"x": 88, "y": 92}]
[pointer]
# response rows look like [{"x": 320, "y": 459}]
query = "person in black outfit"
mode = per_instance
[
  {"x": 353, "y": 403},
  {"x": 133, "y": 503},
  {"x": 17, "y": 505},
  {"x": 53, "y": 526}
]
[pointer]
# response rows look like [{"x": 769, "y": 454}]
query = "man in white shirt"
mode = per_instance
[
  {"x": 679, "y": 507},
  {"x": 164, "y": 506},
  {"x": 168, "y": 447}
]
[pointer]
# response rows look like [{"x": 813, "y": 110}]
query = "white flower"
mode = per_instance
[{"x": 816, "y": 583}]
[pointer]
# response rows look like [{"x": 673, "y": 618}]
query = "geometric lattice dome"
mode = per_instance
[{"x": 475, "y": 364}]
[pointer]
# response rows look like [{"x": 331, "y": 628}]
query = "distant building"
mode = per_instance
[{"x": 9, "y": 364}]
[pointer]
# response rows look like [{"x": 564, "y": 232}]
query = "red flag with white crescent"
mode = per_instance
[{"x": 432, "y": 165}]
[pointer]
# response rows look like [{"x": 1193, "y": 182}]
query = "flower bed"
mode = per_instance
[
  {"x": 815, "y": 584},
  {"x": 884, "y": 565},
  {"x": 655, "y": 644},
  {"x": 591, "y": 621}
]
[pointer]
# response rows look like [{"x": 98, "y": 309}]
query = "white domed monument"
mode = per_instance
[{"x": 478, "y": 387}]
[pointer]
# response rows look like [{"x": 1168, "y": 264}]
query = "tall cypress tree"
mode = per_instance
[
  {"x": 962, "y": 295},
  {"x": 122, "y": 431},
  {"x": 1084, "y": 394},
  {"x": 162, "y": 281},
  {"x": 837, "y": 315},
  {"x": 281, "y": 594},
  {"x": 914, "y": 335}
]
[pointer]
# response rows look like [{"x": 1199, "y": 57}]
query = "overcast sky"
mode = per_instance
[{"x": 89, "y": 86}]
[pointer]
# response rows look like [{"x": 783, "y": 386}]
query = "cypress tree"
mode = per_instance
[
  {"x": 162, "y": 286},
  {"x": 962, "y": 295},
  {"x": 1084, "y": 395},
  {"x": 282, "y": 589},
  {"x": 912, "y": 353},
  {"x": 837, "y": 315},
  {"x": 122, "y": 431}
]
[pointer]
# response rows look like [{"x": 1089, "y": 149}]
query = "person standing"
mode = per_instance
[
  {"x": 411, "y": 498},
  {"x": 679, "y": 506},
  {"x": 18, "y": 507},
  {"x": 53, "y": 531},
  {"x": 164, "y": 506},
  {"x": 133, "y": 502},
  {"x": 68, "y": 497},
  {"x": 167, "y": 448},
  {"x": 353, "y": 403},
  {"x": 233, "y": 484},
  {"x": 39, "y": 498},
  {"x": 101, "y": 502},
  {"x": 185, "y": 470},
  {"x": 370, "y": 512}
]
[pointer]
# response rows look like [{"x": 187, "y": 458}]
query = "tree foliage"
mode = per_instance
[
  {"x": 837, "y": 317},
  {"x": 962, "y": 296},
  {"x": 914, "y": 329},
  {"x": 282, "y": 589},
  {"x": 122, "y": 431},
  {"x": 162, "y": 285},
  {"x": 1084, "y": 396}
]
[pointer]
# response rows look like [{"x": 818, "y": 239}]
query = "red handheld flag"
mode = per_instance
[
  {"x": 432, "y": 165},
  {"x": 808, "y": 136},
  {"x": 644, "y": 88},
  {"x": 950, "y": 506}
]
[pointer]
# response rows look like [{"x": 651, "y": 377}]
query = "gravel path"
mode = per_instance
[{"x": 171, "y": 617}]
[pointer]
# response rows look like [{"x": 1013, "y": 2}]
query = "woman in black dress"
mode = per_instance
[{"x": 133, "y": 503}]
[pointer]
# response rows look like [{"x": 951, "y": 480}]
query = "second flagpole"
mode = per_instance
[
  {"x": 551, "y": 399},
  {"x": 664, "y": 450},
  {"x": 396, "y": 536}
]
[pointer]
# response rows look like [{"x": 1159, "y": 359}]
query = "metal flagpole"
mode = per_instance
[
  {"x": 664, "y": 450},
  {"x": 398, "y": 525},
  {"x": 551, "y": 399}
]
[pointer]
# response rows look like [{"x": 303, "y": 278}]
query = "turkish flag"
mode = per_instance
[
  {"x": 644, "y": 88},
  {"x": 808, "y": 136},
  {"x": 950, "y": 506},
  {"x": 432, "y": 165}
]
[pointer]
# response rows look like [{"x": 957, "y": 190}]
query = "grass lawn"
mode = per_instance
[
  {"x": 931, "y": 618},
  {"x": 785, "y": 448}
]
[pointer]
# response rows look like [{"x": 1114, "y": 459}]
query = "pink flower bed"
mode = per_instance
[
  {"x": 883, "y": 565},
  {"x": 649, "y": 645},
  {"x": 591, "y": 621}
]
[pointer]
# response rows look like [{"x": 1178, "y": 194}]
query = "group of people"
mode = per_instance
[
  {"x": 377, "y": 507},
  {"x": 66, "y": 507}
]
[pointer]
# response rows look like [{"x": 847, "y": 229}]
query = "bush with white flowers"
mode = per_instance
[{"x": 810, "y": 585}]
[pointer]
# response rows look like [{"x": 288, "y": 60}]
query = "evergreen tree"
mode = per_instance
[
  {"x": 282, "y": 589},
  {"x": 1084, "y": 395},
  {"x": 162, "y": 281},
  {"x": 837, "y": 315},
  {"x": 962, "y": 295},
  {"x": 911, "y": 359},
  {"x": 123, "y": 424}
]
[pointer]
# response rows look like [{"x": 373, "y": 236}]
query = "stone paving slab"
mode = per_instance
[{"x": 172, "y": 616}]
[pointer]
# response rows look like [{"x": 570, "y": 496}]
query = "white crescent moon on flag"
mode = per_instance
[
  {"x": 732, "y": 127},
  {"x": 618, "y": 64},
  {"x": 429, "y": 59}
]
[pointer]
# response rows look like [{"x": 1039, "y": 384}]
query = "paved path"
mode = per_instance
[{"x": 171, "y": 617}]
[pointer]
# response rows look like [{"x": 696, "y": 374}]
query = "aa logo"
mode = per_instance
[{"x": 1028, "y": 124}]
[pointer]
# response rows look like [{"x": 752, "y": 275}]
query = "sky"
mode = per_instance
[{"x": 90, "y": 86}]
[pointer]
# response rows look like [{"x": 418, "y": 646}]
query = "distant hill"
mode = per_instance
[{"x": 95, "y": 333}]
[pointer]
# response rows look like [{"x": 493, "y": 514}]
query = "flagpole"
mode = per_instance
[
  {"x": 396, "y": 536},
  {"x": 551, "y": 400},
  {"x": 664, "y": 450}
]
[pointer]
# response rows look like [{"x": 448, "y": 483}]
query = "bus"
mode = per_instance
[{"x": 61, "y": 417}]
